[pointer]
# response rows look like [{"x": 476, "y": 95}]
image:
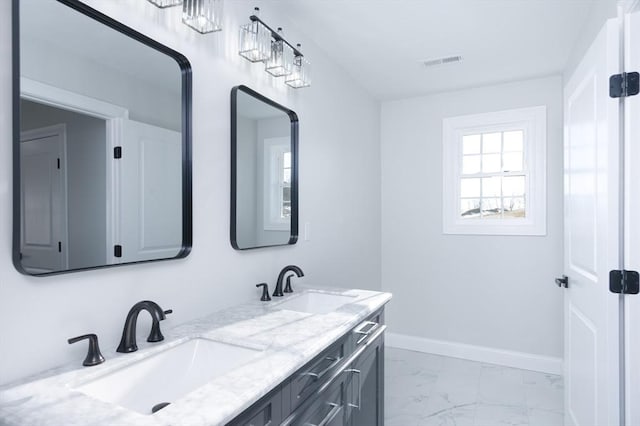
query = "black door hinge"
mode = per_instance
[
  {"x": 117, "y": 250},
  {"x": 58, "y": 164},
  {"x": 117, "y": 152},
  {"x": 59, "y": 246},
  {"x": 624, "y": 282},
  {"x": 563, "y": 282},
  {"x": 625, "y": 84}
]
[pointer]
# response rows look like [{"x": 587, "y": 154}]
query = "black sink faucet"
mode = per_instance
[
  {"x": 128, "y": 342},
  {"x": 278, "y": 290}
]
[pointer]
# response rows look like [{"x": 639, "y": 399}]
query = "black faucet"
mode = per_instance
[
  {"x": 278, "y": 290},
  {"x": 128, "y": 342}
]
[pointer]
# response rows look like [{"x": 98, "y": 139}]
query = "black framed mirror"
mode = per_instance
[
  {"x": 102, "y": 142},
  {"x": 264, "y": 171}
]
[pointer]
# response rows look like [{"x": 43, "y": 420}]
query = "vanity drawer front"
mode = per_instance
[
  {"x": 363, "y": 331},
  {"x": 267, "y": 413},
  {"x": 310, "y": 377},
  {"x": 326, "y": 410}
]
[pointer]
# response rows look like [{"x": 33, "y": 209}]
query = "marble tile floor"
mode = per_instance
[{"x": 430, "y": 390}]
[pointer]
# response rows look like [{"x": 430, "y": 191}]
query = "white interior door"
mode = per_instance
[
  {"x": 632, "y": 224},
  {"x": 43, "y": 199},
  {"x": 592, "y": 236},
  {"x": 150, "y": 191}
]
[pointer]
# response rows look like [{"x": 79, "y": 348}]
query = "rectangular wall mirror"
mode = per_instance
[
  {"x": 102, "y": 123},
  {"x": 264, "y": 171}
]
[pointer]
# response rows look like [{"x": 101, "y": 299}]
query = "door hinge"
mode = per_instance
[
  {"x": 59, "y": 246},
  {"x": 117, "y": 152},
  {"x": 117, "y": 250},
  {"x": 563, "y": 282},
  {"x": 58, "y": 164},
  {"x": 624, "y": 282},
  {"x": 625, "y": 84}
]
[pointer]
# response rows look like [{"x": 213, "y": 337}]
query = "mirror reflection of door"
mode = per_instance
[
  {"x": 150, "y": 196},
  {"x": 43, "y": 199},
  {"x": 85, "y": 197}
]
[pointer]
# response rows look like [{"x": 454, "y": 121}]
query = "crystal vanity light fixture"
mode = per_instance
[
  {"x": 280, "y": 62},
  {"x": 260, "y": 43},
  {"x": 255, "y": 40},
  {"x": 166, "y": 3},
  {"x": 204, "y": 16},
  {"x": 301, "y": 75}
]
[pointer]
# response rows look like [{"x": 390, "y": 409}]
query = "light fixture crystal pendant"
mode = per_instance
[
  {"x": 255, "y": 40},
  {"x": 166, "y": 3},
  {"x": 280, "y": 62},
  {"x": 301, "y": 75},
  {"x": 204, "y": 16}
]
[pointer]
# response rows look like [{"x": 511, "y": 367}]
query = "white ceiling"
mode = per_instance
[{"x": 381, "y": 43}]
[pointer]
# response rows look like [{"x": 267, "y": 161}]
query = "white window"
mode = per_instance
[
  {"x": 284, "y": 201},
  {"x": 494, "y": 173},
  {"x": 277, "y": 202}
]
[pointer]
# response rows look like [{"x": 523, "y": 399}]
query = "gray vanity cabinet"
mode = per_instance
[{"x": 342, "y": 386}]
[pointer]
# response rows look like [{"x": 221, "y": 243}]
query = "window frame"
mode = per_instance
[
  {"x": 532, "y": 121},
  {"x": 274, "y": 150}
]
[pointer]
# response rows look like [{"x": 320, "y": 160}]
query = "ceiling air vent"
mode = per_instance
[{"x": 442, "y": 61}]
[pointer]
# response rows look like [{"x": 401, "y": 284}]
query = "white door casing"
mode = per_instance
[
  {"x": 148, "y": 193},
  {"x": 43, "y": 200},
  {"x": 632, "y": 224},
  {"x": 270, "y": 199},
  {"x": 591, "y": 150}
]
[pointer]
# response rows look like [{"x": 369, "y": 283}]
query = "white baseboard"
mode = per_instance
[{"x": 525, "y": 361}]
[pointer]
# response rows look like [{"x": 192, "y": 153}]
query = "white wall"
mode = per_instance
[
  {"x": 602, "y": 11},
  {"x": 490, "y": 291},
  {"x": 146, "y": 102},
  {"x": 247, "y": 183},
  {"x": 339, "y": 137}
]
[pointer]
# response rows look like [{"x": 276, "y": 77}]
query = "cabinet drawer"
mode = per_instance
[
  {"x": 266, "y": 413},
  {"x": 310, "y": 377},
  {"x": 363, "y": 331},
  {"x": 326, "y": 410}
]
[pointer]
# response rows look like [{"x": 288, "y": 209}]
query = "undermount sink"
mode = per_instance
[
  {"x": 315, "y": 303},
  {"x": 166, "y": 376}
]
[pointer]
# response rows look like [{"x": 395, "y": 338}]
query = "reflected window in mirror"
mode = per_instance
[
  {"x": 102, "y": 142},
  {"x": 277, "y": 207},
  {"x": 264, "y": 185}
]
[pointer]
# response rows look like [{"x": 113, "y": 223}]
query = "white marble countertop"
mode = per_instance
[{"x": 289, "y": 340}]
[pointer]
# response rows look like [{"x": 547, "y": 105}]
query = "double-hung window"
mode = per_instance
[{"x": 494, "y": 173}]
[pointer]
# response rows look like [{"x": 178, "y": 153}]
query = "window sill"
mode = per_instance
[
  {"x": 516, "y": 228},
  {"x": 278, "y": 227}
]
